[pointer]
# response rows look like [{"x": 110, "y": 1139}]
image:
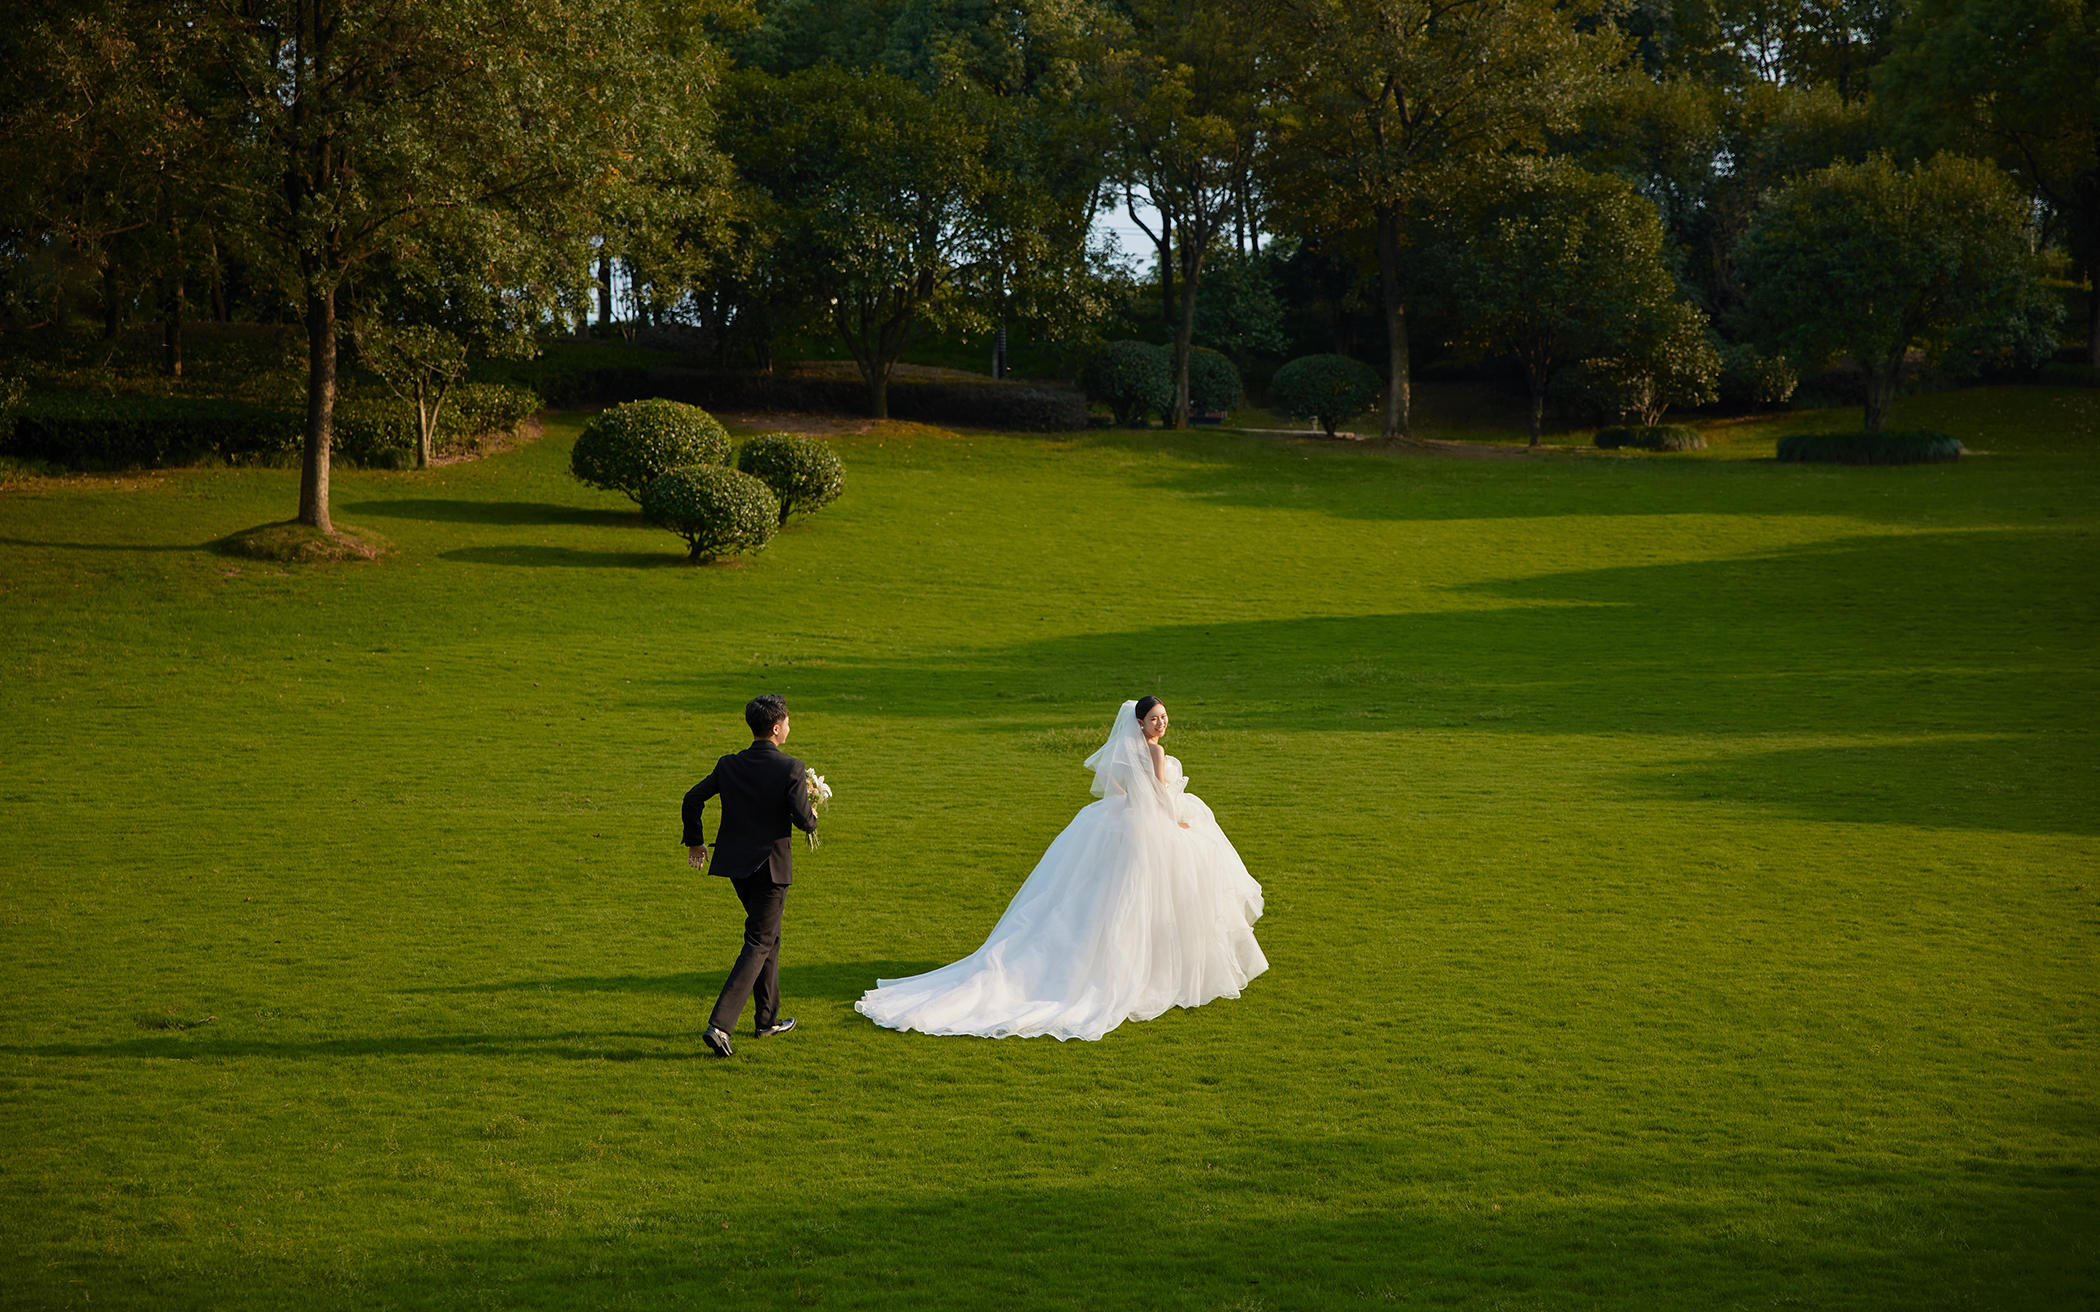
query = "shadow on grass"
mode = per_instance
[
  {"x": 1680, "y": 1234},
  {"x": 105, "y": 546},
  {"x": 507, "y": 513},
  {"x": 542, "y": 557},
  {"x": 611, "y": 1045},
  {"x": 1914, "y": 634},
  {"x": 2017, "y": 785},
  {"x": 837, "y": 980}
]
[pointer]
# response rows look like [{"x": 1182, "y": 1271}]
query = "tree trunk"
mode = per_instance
[
  {"x": 2092, "y": 322},
  {"x": 171, "y": 332},
  {"x": 604, "y": 287},
  {"x": 879, "y": 391},
  {"x": 112, "y": 308},
  {"x": 1397, "y": 394},
  {"x": 320, "y": 407},
  {"x": 1882, "y": 376},
  {"x": 1538, "y": 407},
  {"x": 426, "y": 421},
  {"x": 1183, "y": 343}
]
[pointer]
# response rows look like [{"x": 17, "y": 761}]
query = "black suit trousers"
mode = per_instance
[{"x": 756, "y": 974}]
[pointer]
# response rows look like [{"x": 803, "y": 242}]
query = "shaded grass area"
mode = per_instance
[{"x": 1679, "y": 871}]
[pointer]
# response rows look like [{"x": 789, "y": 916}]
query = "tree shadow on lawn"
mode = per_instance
[
  {"x": 574, "y": 1045},
  {"x": 511, "y": 514},
  {"x": 837, "y": 980},
  {"x": 1255, "y": 473},
  {"x": 544, "y": 556},
  {"x": 1748, "y": 1232},
  {"x": 106, "y": 546},
  {"x": 1983, "y": 633},
  {"x": 2008, "y": 784}
]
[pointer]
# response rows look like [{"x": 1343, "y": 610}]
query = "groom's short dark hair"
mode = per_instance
[{"x": 765, "y": 712}]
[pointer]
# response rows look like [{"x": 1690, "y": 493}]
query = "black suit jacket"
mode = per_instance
[{"x": 764, "y": 791}]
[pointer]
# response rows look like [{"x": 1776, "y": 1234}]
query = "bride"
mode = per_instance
[{"x": 1141, "y": 904}]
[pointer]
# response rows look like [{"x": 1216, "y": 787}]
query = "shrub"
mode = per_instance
[
  {"x": 1655, "y": 437},
  {"x": 803, "y": 473},
  {"x": 126, "y": 431},
  {"x": 2056, "y": 373},
  {"x": 623, "y": 448},
  {"x": 717, "y": 511},
  {"x": 1890, "y": 447},
  {"x": 476, "y": 408},
  {"x": 1214, "y": 385},
  {"x": 1026, "y": 407},
  {"x": 1133, "y": 379},
  {"x": 376, "y": 432},
  {"x": 1329, "y": 388},
  {"x": 1753, "y": 381}
]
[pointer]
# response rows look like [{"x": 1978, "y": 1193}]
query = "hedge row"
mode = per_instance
[
  {"x": 127, "y": 431},
  {"x": 1917, "y": 447},
  {"x": 1661, "y": 437},
  {"x": 1027, "y": 407},
  {"x": 146, "y": 432}
]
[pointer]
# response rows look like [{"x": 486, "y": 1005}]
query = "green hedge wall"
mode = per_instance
[{"x": 1916, "y": 447}]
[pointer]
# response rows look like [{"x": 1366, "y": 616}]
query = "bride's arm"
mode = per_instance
[{"x": 1159, "y": 772}]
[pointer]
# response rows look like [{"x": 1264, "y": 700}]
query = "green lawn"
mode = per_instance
[{"x": 1683, "y": 876}]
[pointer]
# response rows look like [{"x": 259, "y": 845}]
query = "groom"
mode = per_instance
[{"x": 763, "y": 791}]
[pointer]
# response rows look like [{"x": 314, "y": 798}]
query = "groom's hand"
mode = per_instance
[{"x": 696, "y": 857}]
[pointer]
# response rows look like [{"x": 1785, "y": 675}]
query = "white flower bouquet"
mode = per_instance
[{"x": 819, "y": 794}]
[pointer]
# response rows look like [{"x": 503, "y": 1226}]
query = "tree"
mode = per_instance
[
  {"x": 1390, "y": 99},
  {"x": 1668, "y": 359},
  {"x": 1871, "y": 262},
  {"x": 376, "y": 125},
  {"x": 879, "y": 188},
  {"x": 2013, "y": 80},
  {"x": 1548, "y": 264},
  {"x": 1185, "y": 98}
]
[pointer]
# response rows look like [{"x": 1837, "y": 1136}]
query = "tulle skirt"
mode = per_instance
[{"x": 1126, "y": 915}]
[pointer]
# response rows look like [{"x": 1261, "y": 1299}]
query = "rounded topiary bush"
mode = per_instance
[
  {"x": 1661, "y": 437},
  {"x": 718, "y": 511},
  {"x": 1914, "y": 447},
  {"x": 1214, "y": 384},
  {"x": 1133, "y": 379},
  {"x": 803, "y": 473},
  {"x": 623, "y": 448},
  {"x": 1329, "y": 388}
]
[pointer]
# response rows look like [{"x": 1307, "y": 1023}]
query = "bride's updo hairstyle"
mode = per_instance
[{"x": 1144, "y": 708}]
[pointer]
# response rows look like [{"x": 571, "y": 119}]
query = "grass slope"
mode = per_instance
[{"x": 1680, "y": 871}]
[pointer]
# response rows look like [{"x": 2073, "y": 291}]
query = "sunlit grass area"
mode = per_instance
[{"x": 1680, "y": 873}]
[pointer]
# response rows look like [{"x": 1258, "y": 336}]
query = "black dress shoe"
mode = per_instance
[
  {"x": 716, "y": 1040},
  {"x": 781, "y": 1026}
]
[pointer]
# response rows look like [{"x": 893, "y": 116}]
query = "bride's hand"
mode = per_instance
[{"x": 1184, "y": 824}]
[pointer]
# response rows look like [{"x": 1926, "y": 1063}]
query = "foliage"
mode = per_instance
[
  {"x": 1870, "y": 262},
  {"x": 128, "y": 431},
  {"x": 1651, "y": 437},
  {"x": 2012, "y": 80},
  {"x": 1886, "y": 447},
  {"x": 624, "y": 448},
  {"x": 1330, "y": 388},
  {"x": 718, "y": 511},
  {"x": 1668, "y": 358},
  {"x": 1184, "y": 100},
  {"x": 2056, "y": 374},
  {"x": 379, "y": 432},
  {"x": 1238, "y": 310},
  {"x": 1214, "y": 385},
  {"x": 1385, "y": 102},
  {"x": 1131, "y": 378},
  {"x": 877, "y": 189},
  {"x": 804, "y": 473},
  {"x": 1546, "y": 263},
  {"x": 1752, "y": 380}
]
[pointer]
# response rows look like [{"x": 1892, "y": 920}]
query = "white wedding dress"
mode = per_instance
[{"x": 1126, "y": 915}]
